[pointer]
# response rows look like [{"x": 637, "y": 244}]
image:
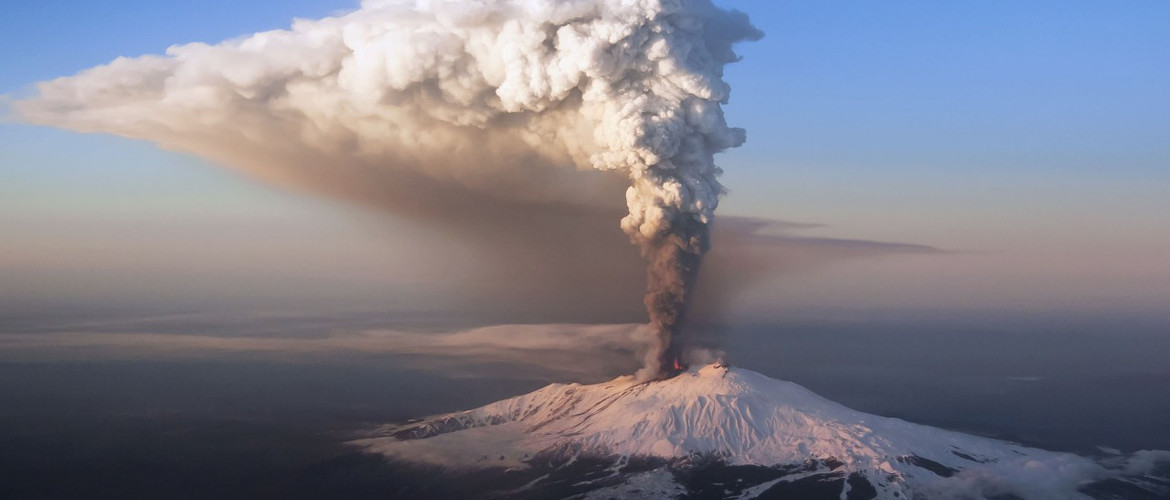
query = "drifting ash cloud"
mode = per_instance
[
  {"x": 605, "y": 288},
  {"x": 440, "y": 108}
]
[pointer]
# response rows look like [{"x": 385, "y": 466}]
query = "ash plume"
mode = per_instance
[{"x": 435, "y": 108}]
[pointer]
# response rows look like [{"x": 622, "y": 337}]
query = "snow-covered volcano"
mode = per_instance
[{"x": 725, "y": 432}]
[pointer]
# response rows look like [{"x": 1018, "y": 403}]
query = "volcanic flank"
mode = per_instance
[{"x": 722, "y": 432}]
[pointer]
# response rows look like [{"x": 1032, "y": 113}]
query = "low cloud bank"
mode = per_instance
[{"x": 561, "y": 350}]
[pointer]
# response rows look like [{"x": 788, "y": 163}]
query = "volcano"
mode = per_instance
[{"x": 722, "y": 432}]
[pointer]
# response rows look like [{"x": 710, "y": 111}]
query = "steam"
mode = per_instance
[{"x": 425, "y": 105}]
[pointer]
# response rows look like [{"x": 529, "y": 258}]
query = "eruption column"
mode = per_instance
[{"x": 407, "y": 104}]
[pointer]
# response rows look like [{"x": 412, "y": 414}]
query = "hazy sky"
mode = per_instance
[{"x": 1030, "y": 141}]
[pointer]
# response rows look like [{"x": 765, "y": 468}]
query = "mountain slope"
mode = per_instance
[{"x": 742, "y": 421}]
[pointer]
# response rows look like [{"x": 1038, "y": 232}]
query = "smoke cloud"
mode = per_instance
[{"x": 438, "y": 109}]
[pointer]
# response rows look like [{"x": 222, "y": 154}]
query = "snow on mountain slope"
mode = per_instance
[{"x": 739, "y": 418}]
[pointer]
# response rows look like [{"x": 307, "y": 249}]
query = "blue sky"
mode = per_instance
[
  {"x": 1033, "y": 137},
  {"x": 1033, "y": 104},
  {"x": 1055, "y": 85}
]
